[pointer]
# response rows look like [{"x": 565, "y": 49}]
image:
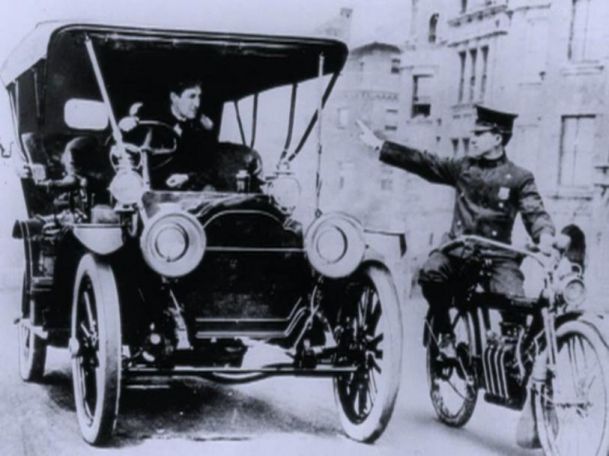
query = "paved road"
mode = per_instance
[{"x": 277, "y": 416}]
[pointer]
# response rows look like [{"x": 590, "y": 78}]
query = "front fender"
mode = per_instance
[
  {"x": 527, "y": 433},
  {"x": 102, "y": 239},
  {"x": 598, "y": 320}
]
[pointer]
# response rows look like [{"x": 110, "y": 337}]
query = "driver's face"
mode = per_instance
[{"x": 187, "y": 104}]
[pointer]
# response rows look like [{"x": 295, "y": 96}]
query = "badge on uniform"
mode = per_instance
[{"x": 504, "y": 193}]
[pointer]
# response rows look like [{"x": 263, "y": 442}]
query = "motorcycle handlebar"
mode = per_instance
[{"x": 531, "y": 251}]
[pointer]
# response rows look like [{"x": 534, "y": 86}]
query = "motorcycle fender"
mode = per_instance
[{"x": 100, "y": 239}]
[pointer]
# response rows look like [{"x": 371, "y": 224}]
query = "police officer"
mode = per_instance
[{"x": 490, "y": 192}]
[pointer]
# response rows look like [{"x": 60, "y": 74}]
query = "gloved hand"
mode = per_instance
[
  {"x": 131, "y": 121},
  {"x": 368, "y": 137},
  {"x": 546, "y": 243},
  {"x": 128, "y": 123},
  {"x": 176, "y": 180}
]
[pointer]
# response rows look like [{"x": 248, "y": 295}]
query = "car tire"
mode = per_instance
[
  {"x": 376, "y": 300},
  {"x": 95, "y": 345},
  {"x": 32, "y": 349}
]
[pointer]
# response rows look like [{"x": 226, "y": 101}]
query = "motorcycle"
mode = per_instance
[{"x": 546, "y": 356}]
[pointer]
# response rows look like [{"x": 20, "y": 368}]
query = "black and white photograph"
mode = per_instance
[{"x": 348, "y": 227}]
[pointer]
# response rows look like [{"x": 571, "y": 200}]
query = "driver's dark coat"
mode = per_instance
[
  {"x": 194, "y": 155},
  {"x": 489, "y": 194}
]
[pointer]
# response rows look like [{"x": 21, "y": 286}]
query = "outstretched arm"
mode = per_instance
[{"x": 428, "y": 166}]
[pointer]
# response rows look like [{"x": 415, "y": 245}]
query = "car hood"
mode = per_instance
[{"x": 204, "y": 205}]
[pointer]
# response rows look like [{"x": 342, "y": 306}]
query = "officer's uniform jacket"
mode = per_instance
[{"x": 489, "y": 194}]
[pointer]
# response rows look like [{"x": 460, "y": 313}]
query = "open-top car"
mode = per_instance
[{"x": 139, "y": 280}]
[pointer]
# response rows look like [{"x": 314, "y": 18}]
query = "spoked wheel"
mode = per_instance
[
  {"x": 32, "y": 349},
  {"x": 95, "y": 344},
  {"x": 453, "y": 384},
  {"x": 572, "y": 403},
  {"x": 369, "y": 335}
]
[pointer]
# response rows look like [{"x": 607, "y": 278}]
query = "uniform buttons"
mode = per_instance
[
  {"x": 494, "y": 233},
  {"x": 458, "y": 222},
  {"x": 501, "y": 204}
]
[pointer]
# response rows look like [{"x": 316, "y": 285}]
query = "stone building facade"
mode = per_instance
[
  {"x": 546, "y": 60},
  {"x": 355, "y": 180}
]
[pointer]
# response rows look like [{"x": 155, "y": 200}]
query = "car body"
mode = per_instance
[{"x": 143, "y": 282}]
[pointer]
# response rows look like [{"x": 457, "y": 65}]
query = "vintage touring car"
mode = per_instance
[{"x": 139, "y": 280}]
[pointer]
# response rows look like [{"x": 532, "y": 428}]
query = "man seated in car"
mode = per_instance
[{"x": 192, "y": 164}]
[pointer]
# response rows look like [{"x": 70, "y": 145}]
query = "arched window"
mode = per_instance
[{"x": 433, "y": 28}]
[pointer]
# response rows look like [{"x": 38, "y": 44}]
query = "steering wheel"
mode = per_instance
[{"x": 152, "y": 137}]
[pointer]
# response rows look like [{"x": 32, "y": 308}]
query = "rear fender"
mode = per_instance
[{"x": 27, "y": 230}]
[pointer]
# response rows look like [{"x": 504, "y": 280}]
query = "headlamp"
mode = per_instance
[
  {"x": 285, "y": 189},
  {"x": 173, "y": 243},
  {"x": 573, "y": 290},
  {"x": 127, "y": 187},
  {"x": 335, "y": 244}
]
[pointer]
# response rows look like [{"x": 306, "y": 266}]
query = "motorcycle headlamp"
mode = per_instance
[
  {"x": 335, "y": 245},
  {"x": 173, "y": 243},
  {"x": 573, "y": 290}
]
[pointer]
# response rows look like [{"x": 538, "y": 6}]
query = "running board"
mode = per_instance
[{"x": 190, "y": 371}]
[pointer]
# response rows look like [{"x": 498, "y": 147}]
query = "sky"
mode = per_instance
[{"x": 298, "y": 16}]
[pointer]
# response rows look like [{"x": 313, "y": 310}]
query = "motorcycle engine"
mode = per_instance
[{"x": 504, "y": 371}]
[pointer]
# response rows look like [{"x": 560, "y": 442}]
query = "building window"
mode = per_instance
[
  {"x": 576, "y": 151},
  {"x": 465, "y": 146},
  {"x": 386, "y": 179},
  {"x": 391, "y": 119},
  {"x": 472, "y": 74},
  {"x": 346, "y": 173},
  {"x": 583, "y": 15},
  {"x": 461, "y": 75},
  {"x": 463, "y": 6},
  {"x": 395, "y": 66},
  {"x": 433, "y": 28},
  {"x": 421, "y": 96},
  {"x": 484, "y": 75},
  {"x": 343, "y": 117},
  {"x": 455, "y": 143}
]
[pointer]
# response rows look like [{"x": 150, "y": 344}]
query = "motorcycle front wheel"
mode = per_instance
[
  {"x": 572, "y": 401},
  {"x": 453, "y": 385}
]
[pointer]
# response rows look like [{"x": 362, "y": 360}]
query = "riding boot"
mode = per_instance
[
  {"x": 439, "y": 303},
  {"x": 439, "y": 300}
]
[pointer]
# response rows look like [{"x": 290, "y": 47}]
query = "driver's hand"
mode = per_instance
[
  {"x": 22, "y": 170},
  {"x": 176, "y": 180},
  {"x": 546, "y": 243},
  {"x": 368, "y": 137},
  {"x": 128, "y": 123}
]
